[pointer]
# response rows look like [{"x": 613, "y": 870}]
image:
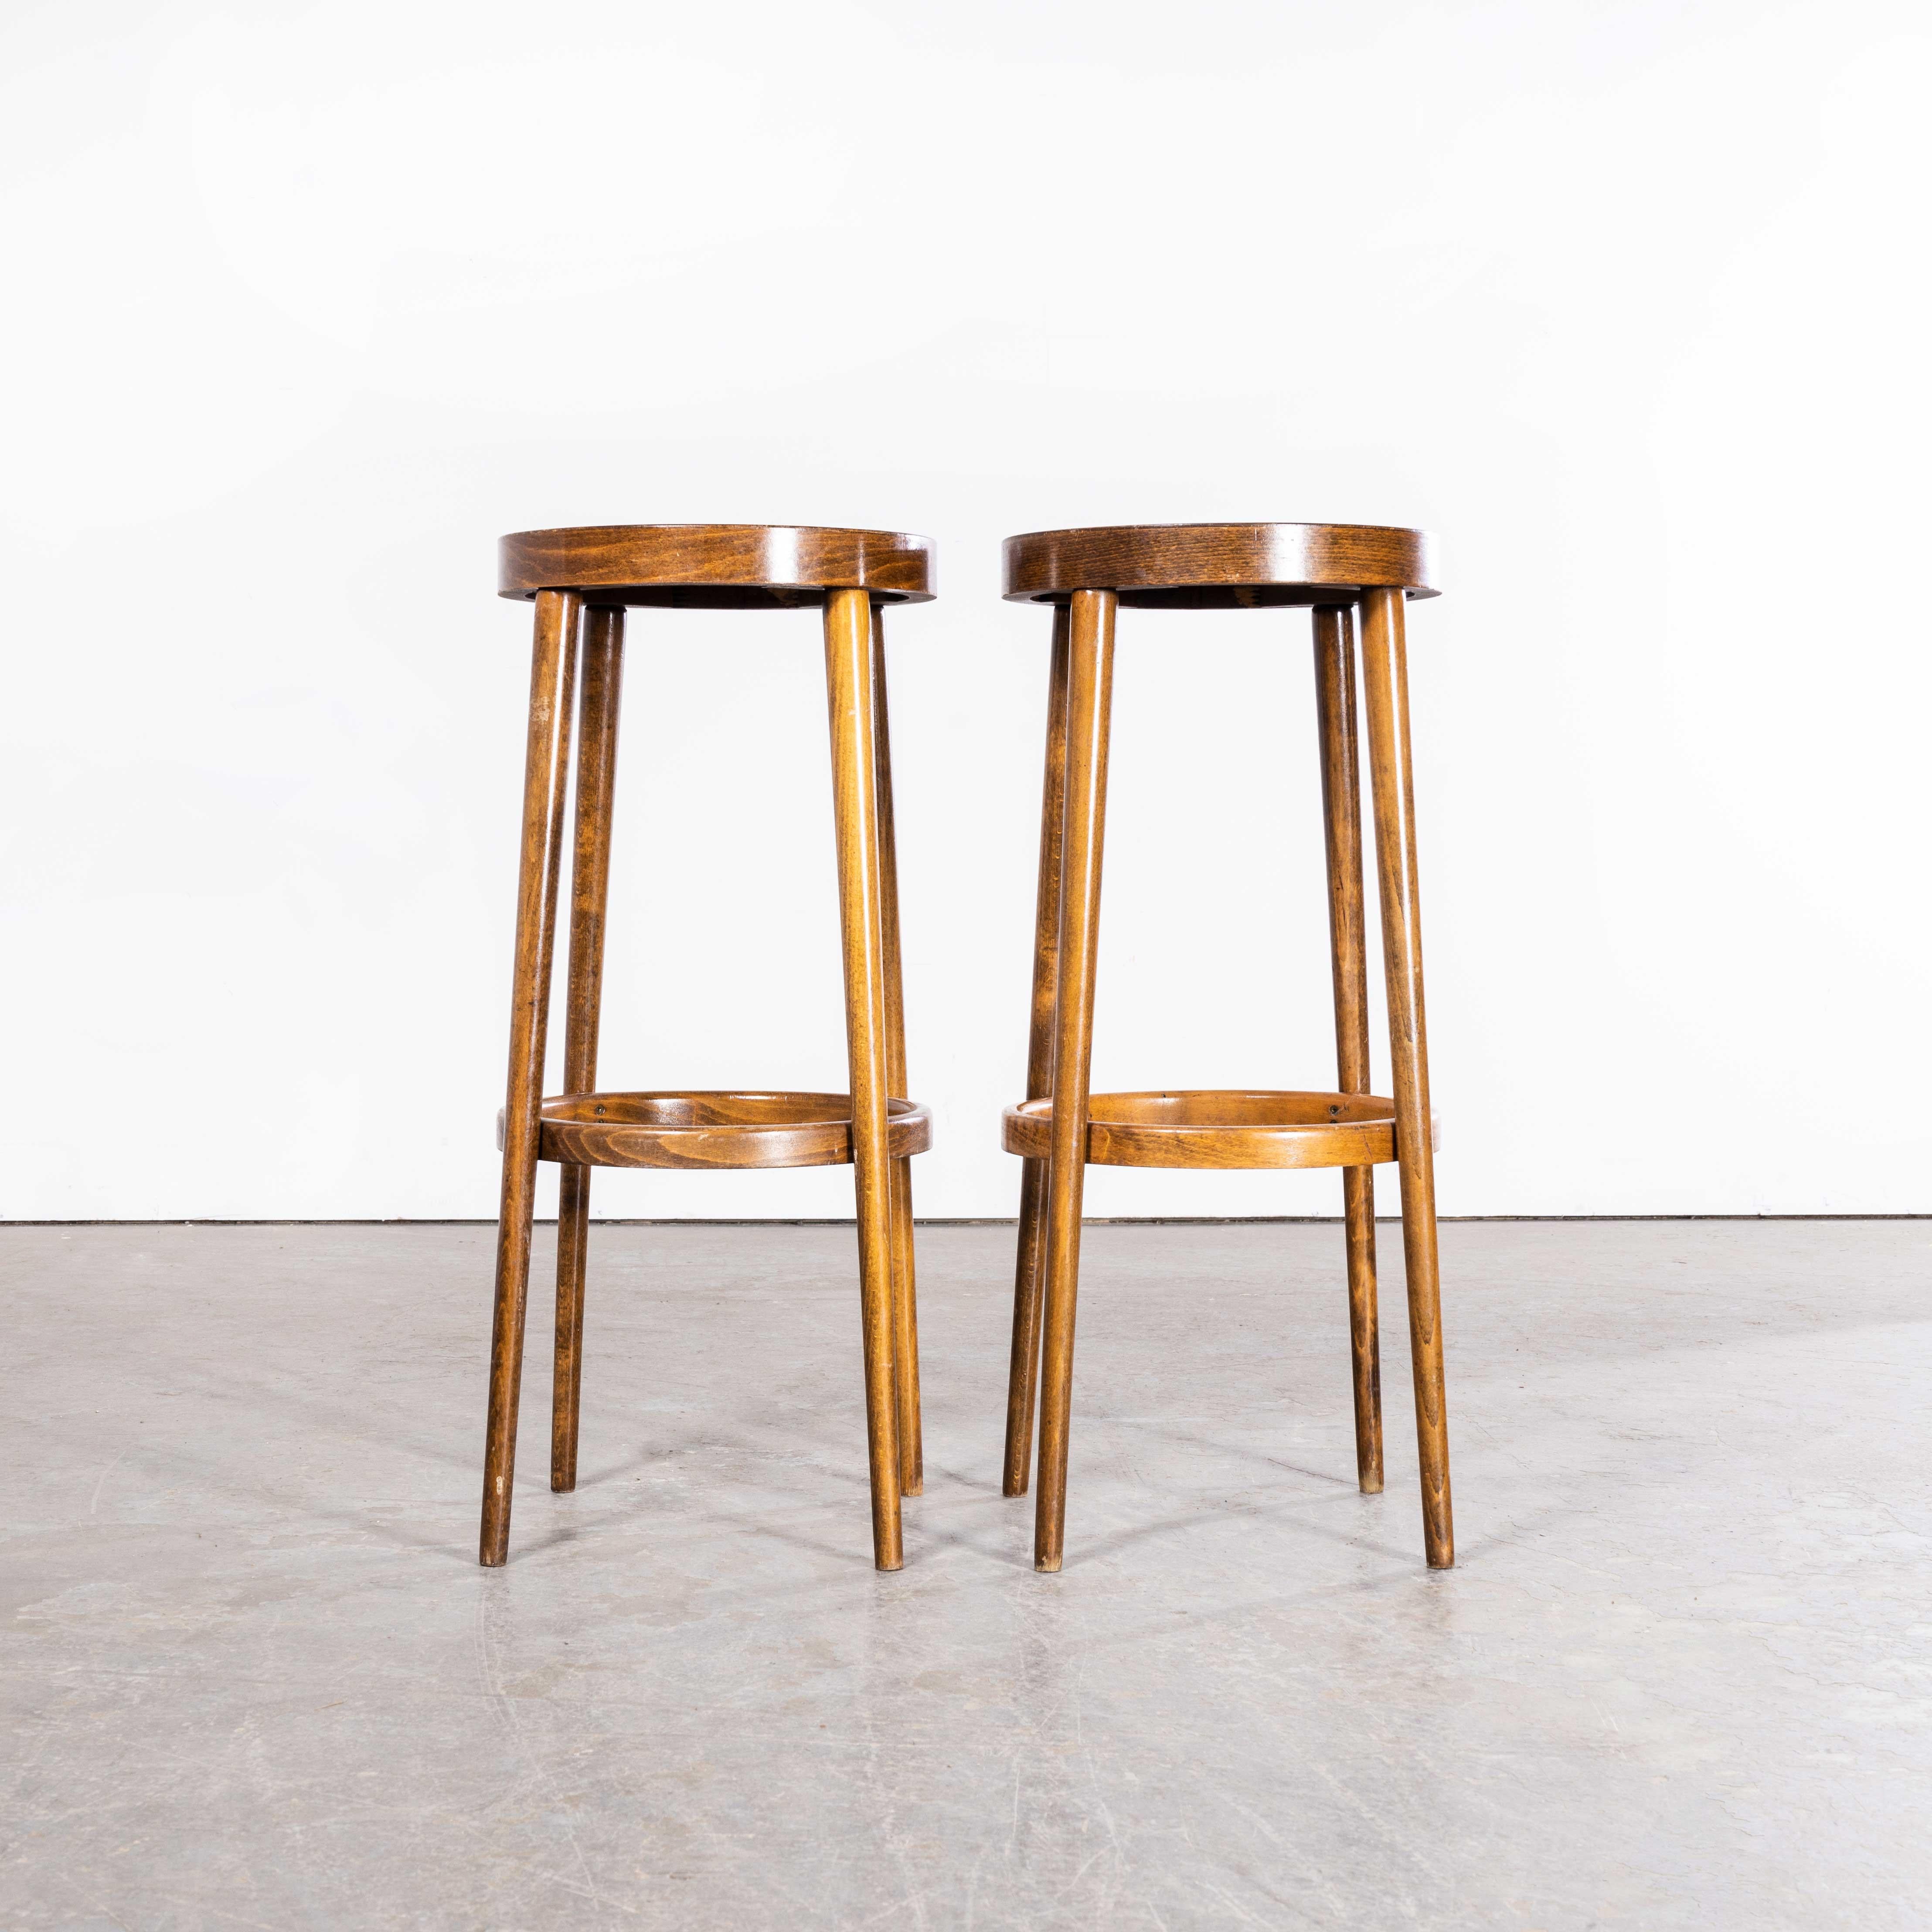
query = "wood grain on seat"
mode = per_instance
[
  {"x": 716, "y": 565},
  {"x": 1198, "y": 566}
]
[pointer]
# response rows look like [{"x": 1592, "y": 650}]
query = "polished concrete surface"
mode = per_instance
[{"x": 1682, "y": 1676}]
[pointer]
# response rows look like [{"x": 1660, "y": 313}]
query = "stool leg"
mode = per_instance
[
  {"x": 1023, "y": 1376},
  {"x": 848, "y": 682},
  {"x": 1089, "y": 704},
  {"x": 905, "y": 1292},
  {"x": 546, "y": 776},
  {"x": 1385, "y": 686},
  {"x": 1342, "y": 814},
  {"x": 600, "y": 678}
]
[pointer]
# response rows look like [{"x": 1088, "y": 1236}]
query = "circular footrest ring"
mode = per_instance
[
  {"x": 715, "y": 1130},
  {"x": 1209, "y": 1128}
]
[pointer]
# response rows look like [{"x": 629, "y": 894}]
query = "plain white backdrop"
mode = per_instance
[{"x": 308, "y": 305}]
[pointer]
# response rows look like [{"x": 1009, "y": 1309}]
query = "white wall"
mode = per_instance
[{"x": 1627, "y": 301}]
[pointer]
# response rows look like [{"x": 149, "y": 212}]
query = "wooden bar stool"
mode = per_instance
[
  {"x": 1085, "y": 575},
  {"x": 582, "y": 581}
]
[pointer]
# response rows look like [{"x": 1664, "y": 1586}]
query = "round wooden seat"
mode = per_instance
[
  {"x": 1222, "y": 1129},
  {"x": 1217, "y": 566},
  {"x": 729, "y": 566},
  {"x": 718, "y": 1130}
]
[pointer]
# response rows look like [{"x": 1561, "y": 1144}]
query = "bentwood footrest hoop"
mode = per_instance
[
  {"x": 1209, "y": 1128},
  {"x": 716, "y": 1129}
]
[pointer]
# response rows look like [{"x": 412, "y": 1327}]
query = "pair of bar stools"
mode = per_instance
[{"x": 583, "y": 581}]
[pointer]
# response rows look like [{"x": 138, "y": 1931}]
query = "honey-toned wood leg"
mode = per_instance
[
  {"x": 848, "y": 682},
  {"x": 905, "y": 1289},
  {"x": 1089, "y": 704},
  {"x": 600, "y": 677},
  {"x": 546, "y": 778},
  {"x": 1341, "y": 816},
  {"x": 1385, "y": 689},
  {"x": 1023, "y": 1374}
]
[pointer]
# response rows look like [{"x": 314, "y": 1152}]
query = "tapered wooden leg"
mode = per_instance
[
  {"x": 1385, "y": 688},
  {"x": 848, "y": 681},
  {"x": 1342, "y": 814},
  {"x": 1023, "y": 1375},
  {"x": 905, "y": 1290},
  {"x": 546, "y": 776},
  {"x": 600, "y": 678},
  {"x": 1089, "y": 704}
]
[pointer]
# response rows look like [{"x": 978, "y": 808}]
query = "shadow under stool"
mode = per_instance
[
  {"x": 582, "y": 582},
  {"x": 1336, "y": 569}
]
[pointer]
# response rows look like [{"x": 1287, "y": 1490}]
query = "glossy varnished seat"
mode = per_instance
[
  {"x": 1218, "y": 566},
  {"x": 716, "y": 566},
  {"x": 1336, "y": 570},
  {"x": 582, "y": 581}
]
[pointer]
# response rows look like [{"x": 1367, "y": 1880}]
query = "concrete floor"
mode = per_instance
[{"x": 1682, "y": 1677}]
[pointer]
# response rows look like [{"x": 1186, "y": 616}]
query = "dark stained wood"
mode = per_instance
[
  {"x": 1085, "y": 574},
  {"x": 905, "y": 1291},
  {"x": 1089, "y": 709},
  {"x": 546, "y": 774},
  {"x": 1023, "y": 1371},
  {"x": 600, "y": 679},
  {"x": 1210, "y": 566},
  {"x": 848, "y": 680},
  {"x": 1342, "y": 819},
  {"x": 1217, "y": 1129},
  {"x": 697, "y": 1132},
  {"x": 716, "y": 565},
  {"x": 848, "y": 573},
  {"x": 1385, "y": 690}
]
